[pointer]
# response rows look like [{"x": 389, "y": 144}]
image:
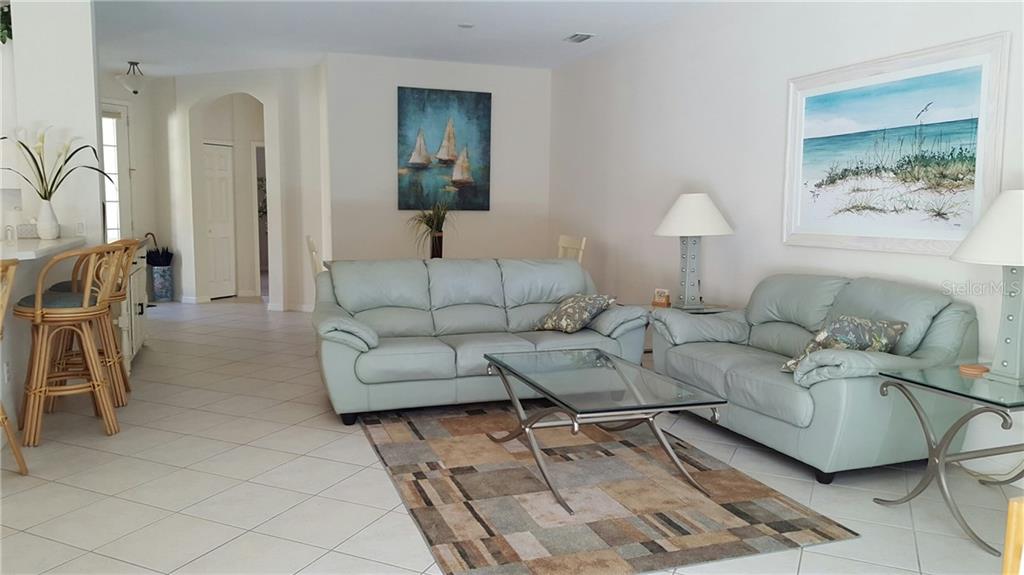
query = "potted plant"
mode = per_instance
[
  {"x": 160, "y": 270},
  {"x": 429, "y": 226},
  {"x": 6, "y": 33},
  {"x": 45, "y": 182}
]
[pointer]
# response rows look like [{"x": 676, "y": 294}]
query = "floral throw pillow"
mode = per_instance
[
  {"x": 848, "y": 332},
  {"x": 574, "y": 312}
]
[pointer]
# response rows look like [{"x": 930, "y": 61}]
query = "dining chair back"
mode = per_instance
[{"x": 571, "y": 247}]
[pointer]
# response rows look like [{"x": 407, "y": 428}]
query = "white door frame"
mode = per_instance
[
  {"x": 256, "y": 222},
  {"x": 234, "y": 232}
]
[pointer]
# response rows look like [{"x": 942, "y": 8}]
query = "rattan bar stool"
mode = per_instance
[
  {"x": 109, "y": 346},
  {"x": 7, "y": 270},
  {"x": 76, "y": 313}
]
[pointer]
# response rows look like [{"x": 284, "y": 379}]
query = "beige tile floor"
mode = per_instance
[{"x": 230, "y": 460}]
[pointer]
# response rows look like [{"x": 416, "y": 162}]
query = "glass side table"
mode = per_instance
[{"x": 985, "y": 396}]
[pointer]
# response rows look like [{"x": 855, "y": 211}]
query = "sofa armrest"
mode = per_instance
[
  {"x": 334, "y": 323},
  {"x": 679, "y": 327},
  {"x": 619, "y": 319},
  {"x": 828, "y": 364}
]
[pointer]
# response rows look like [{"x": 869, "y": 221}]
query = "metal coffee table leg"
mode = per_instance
[
  {"x": 526, "y": 426},
  {"x": 538, "y": 456},
  {"x": 672, "y": 455}
]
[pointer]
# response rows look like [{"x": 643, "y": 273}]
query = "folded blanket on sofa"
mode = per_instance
[{"x": 846, "y": 363}]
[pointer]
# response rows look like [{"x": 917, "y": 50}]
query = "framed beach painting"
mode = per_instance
[
  {"x": 900, "y": 154},
  {"x": 444, "y": 149}
]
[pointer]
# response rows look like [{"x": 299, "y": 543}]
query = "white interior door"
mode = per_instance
[{"x": 219, "y": 204}]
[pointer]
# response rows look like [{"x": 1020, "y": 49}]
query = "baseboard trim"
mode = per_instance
[
  {"x": 191, "y": 299},
  {"x": 275, "y": 307}
]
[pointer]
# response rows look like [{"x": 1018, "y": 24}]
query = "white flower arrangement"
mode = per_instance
[{"x": 45, "y": 182}]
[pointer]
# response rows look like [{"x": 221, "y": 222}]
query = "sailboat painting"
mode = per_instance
[{"x": 444, "y": 149}]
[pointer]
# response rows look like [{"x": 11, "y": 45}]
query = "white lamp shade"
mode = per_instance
[
  {"x": 998, "y": 238},
  {"x": 693, "y": 215}
]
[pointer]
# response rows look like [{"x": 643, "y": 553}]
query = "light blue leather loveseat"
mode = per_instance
[
  {"x": 829, "y": 413},
  {"x": 395, "y": 334}
]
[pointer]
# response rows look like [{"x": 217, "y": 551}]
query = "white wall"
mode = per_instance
[
  {"x": 8, "y": 115},
  {"x": 310, "y": 191},
  {"x": 701, "y": 105},
  {"x": 54, "y": 56},
  {"x": 361, "y": 94}
]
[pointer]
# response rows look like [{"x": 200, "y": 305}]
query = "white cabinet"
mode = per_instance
[{"x": 132, "y": 317}]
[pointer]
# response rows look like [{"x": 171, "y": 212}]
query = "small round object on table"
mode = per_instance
[{"x": 973, "y": 370}]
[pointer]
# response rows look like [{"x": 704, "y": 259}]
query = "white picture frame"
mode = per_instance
[{"x": 860, "y": 225}]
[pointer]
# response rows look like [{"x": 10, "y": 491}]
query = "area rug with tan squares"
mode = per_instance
[{"x": 484, "y": 508}]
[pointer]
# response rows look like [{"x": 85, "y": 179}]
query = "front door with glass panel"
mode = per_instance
[{"x": 117, "y": 195}]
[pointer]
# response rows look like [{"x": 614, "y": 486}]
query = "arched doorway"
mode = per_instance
[{"x": 229, "y": 180}]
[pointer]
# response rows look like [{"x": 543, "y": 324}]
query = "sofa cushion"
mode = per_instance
[
  {"x": 470, "y": 349},
  {"x": 397, "y": 321},
  {"x": 454, "y": 282},
  {"x": 788, "y": 339},
  {"x": 704, "y": 364},
  {"x": 469, "y": 318},
  {"x": 872, "y": 298},
  {"x": 527, "y": 317},
  {"x": 761, "y": 387},
  {"x": 794, "y": 298},
  {"x": 466, "y": 296},
  {"x": 406, "y": 358},
  {"x": 586, "y": 338},
  {"x": 533, "y": 287},
  {"x": 363, "y": 285}
]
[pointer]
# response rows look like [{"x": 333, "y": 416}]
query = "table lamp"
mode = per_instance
[
  {"x": 691, "y": 217},
  {"x": 998, "y": 239}
]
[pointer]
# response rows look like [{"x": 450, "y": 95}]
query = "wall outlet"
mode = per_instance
[{"x": 7, "y": 372}]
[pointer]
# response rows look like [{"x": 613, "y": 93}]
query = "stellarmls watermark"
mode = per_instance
[{"x": 971, "y": 288}]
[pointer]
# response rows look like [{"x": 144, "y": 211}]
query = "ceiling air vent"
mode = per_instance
[{"x": 579, "y": 37}]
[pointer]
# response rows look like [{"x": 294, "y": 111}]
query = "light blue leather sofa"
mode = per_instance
[
  {"x": 395, "y": 334},
  {"x": 829, "y": 413}
]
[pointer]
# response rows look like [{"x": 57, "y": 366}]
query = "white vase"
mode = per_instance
[{"x": 47, "y": 226}]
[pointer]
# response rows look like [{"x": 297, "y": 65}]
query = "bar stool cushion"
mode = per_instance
[
  {"x": 64, "y": 286},
  {"x": 56, "y": 300}
]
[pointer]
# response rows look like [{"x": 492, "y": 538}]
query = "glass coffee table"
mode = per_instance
[{"x": 590, "y": 386}]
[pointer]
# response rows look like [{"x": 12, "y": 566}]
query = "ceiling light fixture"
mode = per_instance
[
  {"x": 132, "y": 79},
  {"x": 579, "y": 37},
  {"x": 466, "y": 25}
]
